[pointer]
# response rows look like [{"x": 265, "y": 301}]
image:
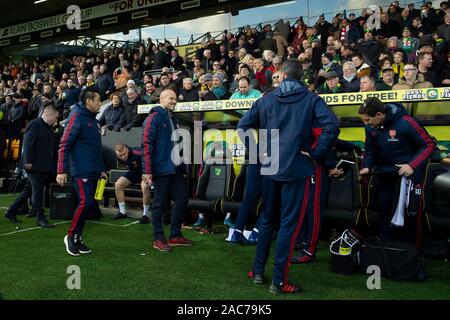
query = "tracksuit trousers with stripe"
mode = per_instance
[
  {"x": 309, "y": 233},
  {"x": 285, "y": 202},
  {"x": 388, "y": 186},
  {"x": 85, "y": 189}
]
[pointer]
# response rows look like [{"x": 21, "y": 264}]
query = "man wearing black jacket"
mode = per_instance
[
  {"x": 38, "y": 161},
  {"x": 130, "y": 118},
  {"x": 105, "y": 82}
]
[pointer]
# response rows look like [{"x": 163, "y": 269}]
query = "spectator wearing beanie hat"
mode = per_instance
[
  {"x": 219, "y": 88},
  {"x": 206, "y": 84},
  {"x": 329, "y": 65}
]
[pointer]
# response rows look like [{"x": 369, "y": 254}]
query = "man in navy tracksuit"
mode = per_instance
[
  {"x": 290, "y": 110},
  {"x": 398, "y": 146},
  {"x": 167, "y": 177},
  {"x": 81, "y": 144}
]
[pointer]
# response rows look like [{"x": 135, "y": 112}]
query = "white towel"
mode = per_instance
[{"x": 398, "y": 220}]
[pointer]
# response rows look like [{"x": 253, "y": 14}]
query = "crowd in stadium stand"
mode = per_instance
[{"x": 410, "y": 50}]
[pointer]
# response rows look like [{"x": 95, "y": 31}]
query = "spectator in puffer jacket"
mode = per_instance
[
  {"x": 130, "y": 117},
  {"x": 349, "y": 79},
  {"x": 188, "y": 93},
  {"x": 110, "y": 118}
]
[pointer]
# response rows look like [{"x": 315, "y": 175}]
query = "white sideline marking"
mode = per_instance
[
  {"x": 6, "y": 195},
  {"x": 104, "y": 223},
  {"x": 113, "y": 225},
  {"x": 130, "y": 224},
  {"x": 95, "y": 222},
  {"x": 28, "y": 229}
]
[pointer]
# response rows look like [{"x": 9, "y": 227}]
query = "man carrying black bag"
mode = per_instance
[{"x": 37, "y": 160}]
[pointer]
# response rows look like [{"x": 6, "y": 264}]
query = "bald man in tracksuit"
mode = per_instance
[
  {"x": 399, "y": 147},
  {"x": 168, "y": 178},
  {"x": 291, "y": 109}
]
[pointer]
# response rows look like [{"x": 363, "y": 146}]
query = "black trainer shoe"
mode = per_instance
[
  {"x": 71, "y": 246},
  {"x": 119, "y": 215},
  {"x": 144, "y": 220},
  {"x": 82, "y": 248},
  {"x": 12, "y": 217}
]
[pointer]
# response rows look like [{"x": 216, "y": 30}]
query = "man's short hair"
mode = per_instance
[
  {"x": 245, "y": 79},
  {"x": 350, "y": 64},
  {"x": 89, "y": 93},
  {"x": 292, "y": 69},
  {"x": 187, "y": 79},
  {"x": 357, "y": 54},
  {"x": 131, "y": 90},
  {"x": 50, "y": 107},
  {"x": 120, "y": 147},
  {"x": 115, "y": 94},
  {"x": 164, "y": 74},
  {"x": 277, "y": 59},
  {"x": 347, "y": 47},
  {"x": 371, "y": 106},
  {"x": 370, "y": 78},
  {"x": 411, "y": 64},
  {"x": 422, "y": 55}
]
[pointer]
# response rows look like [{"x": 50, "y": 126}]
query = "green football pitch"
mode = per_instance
[{"x": 123, "y": 265}]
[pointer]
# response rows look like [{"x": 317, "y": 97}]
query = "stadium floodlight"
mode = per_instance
[
  {"x": 279, "y": 4},
  {"x": 39, "y": 1}
]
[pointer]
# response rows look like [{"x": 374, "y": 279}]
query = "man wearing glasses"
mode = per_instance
[{"x": 412, "y": 80}]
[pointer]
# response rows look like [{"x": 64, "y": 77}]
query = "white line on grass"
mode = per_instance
[
  {"x": 104, "y": 223},
  {"x": 130, "y": 224},
  {"x": 114, "y": 225},
  {"x": 95, "y": 222},
  {"x": 6, "y": 195},
  {"x": 28, "y": 229}
]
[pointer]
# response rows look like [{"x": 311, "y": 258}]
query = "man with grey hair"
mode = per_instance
[
  {"x": 130, "y": 117},
  {"x": 367, "y": 84},
  {"x": 207, "y": 60},
  {"x": 37, "y": 159},
  {"x": 263, "y": 76},
  {"x": 242, "y": 53},
  {"x": 349, "y": 79},
  {"x": 268, "y": 55},
  {"x": 188, "y": 93}
]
